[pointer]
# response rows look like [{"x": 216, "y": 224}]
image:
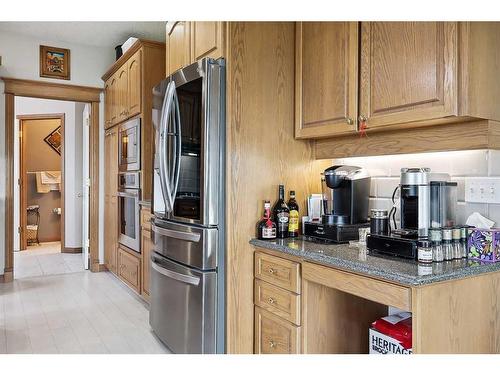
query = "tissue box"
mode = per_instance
[{"x": 484, "y": 244}]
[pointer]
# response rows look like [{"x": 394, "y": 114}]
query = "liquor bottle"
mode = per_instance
[
  {"x": 266, "y": 228},
  {"x": 293, "y": 219},
  {"x": 281, "y": 213}
]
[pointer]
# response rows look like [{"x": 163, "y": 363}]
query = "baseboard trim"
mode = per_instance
[
  {"x": 8, "y": 276},
  {"x": 71, "y": 250}
]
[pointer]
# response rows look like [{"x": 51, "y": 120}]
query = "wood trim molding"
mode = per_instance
[
  {"x": 51, "y": 90},
  {"x": 71, "y": 250},
  {"x": 9, "y": 188},
  {"x": 471, "y": 135},
  {"x": 48, "y": 90},
  {"x": 94, "y": 187},
  {"x": 133, "y": 49},
  {"x": 7, "y": 277}
]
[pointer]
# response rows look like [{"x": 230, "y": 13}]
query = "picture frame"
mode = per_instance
[
  {"x": 55, "y": 62},
  {"x": 54, "y": 140}
]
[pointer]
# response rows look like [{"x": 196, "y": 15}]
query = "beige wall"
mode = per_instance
[{"x": 39, "y": 156}]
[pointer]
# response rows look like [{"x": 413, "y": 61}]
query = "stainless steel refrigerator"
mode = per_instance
[{"x": 187, "y": 264}]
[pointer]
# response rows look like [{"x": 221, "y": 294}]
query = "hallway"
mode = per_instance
[
  {"x": 45, "y": 259},
  {"x": 80, "y": 312}
]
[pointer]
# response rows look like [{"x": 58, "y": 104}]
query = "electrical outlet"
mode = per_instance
[{"x": 482, "y": 189}]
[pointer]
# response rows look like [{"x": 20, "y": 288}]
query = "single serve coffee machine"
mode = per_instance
[{"x": 345, "y": 205}]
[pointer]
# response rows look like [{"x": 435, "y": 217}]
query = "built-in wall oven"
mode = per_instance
[
  {"x": 129, "y": 210},
  {"x": 129, "y": 147}
]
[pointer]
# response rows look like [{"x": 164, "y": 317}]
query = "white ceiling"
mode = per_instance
[{"x": 100, "y": 34}]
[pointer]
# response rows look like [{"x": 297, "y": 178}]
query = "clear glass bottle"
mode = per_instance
[
  {"x": 437, "y": 248},
  {"x": 457, "y": 247},
  {"x": 463, "y": 241},
  {"x": 447, "y": 243},
  {"x": 424, "y": 251}
]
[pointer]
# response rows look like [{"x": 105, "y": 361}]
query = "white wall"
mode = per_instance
[
  {"x": 385, "y": 172},
  {"x": 73, "y": 132},
  {"x": 20, "y": 60}
]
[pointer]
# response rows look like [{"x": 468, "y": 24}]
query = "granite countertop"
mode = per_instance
[{"x": 355, "y": 259}]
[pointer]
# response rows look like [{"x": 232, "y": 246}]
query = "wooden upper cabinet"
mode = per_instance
[
  {"x": 326, "y": 72},
  {"x": 134, "y": 84},
  {"x": 113, "y": 107},
  {"x": 206, "y": 40},
  {"x": 408, "y": 72},
  {"x": 122, "y": 93},
  {"x": 178, "y": 46}
]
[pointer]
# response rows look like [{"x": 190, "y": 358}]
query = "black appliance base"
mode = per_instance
[
  {"x": 392, "y": 245},
  {"x": 337, "y": 233}
]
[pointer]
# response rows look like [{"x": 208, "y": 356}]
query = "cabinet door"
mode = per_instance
[
  {"x": 129, "y": 269},
  {"x": 134, "y": 84},
  {"x": 206, "y": 40},
  {"x": 113, "y": 96},
  {"x": 326, "y": 71},
  {"x": 408, "y": 72},
  {"x": 107, "y": 104},
  {"x": 274, "y": 335},
  {"x": 146, "y": 247},
  {"x": 110, "y": 200},
  {"x": 178, "y": 46},
  {"x": 122, "y": 97}
]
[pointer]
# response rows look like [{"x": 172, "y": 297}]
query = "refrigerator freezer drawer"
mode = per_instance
[
  {"x": 193, "y": 246},
  {"x": 183, "y": 307}
]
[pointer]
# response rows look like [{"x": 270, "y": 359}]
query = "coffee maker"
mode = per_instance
[
  {"x": 427, "y": 199},
  {"x": 345, "y": 205}
]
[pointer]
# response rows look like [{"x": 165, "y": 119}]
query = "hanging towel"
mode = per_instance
[
  {"x": 47, "y": 181},
  {"x": 51, "y": 177}
]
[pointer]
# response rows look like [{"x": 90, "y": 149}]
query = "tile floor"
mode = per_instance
[
  {"x": 80, "y": 312},
  {"x": 45, "y": 259}
]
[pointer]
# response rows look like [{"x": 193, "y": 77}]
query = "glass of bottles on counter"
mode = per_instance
[{"x": 283, "y": 221}]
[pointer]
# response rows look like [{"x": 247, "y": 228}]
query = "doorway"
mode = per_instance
[
  {"x": 41, "y": 180},
  {"x": 15, "y": 88}
]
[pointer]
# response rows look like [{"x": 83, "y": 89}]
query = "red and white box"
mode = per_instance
[{"x": 391, "y": 335}]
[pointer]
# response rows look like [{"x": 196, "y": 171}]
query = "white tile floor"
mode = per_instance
[
  {"x": 45, "y": 259},
  {"x": 81, "y": 312}
]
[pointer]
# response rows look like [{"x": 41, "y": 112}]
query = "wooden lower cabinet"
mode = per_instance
[
  {"x": 129, "y": 269},
  {"x": 147, "y": 247},
  {"x": 274, "y": 335}
]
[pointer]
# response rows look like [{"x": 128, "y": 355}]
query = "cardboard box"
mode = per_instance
[{"x": 383, "y": 344}]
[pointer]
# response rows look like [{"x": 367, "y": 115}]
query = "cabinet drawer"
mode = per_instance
[
  {"x": 278, "y": 271},
  {"x": 274, "y": 335},
  {"x": 129, "y": 269},
  {"x": 278, "y": 301}
]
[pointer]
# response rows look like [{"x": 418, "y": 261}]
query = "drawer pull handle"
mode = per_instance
[
  {"x": 271, "y": 300},
  {"x": 272, "y": 271},
  {"x": 272, "y": 344}
]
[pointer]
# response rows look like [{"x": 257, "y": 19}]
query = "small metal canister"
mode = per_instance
[
  {"x": 457, "y": 249},
  {"x": 379, "y": 221}
]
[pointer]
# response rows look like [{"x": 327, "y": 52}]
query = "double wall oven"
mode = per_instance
[
  {"x": 129, "y": 188},
  {"x": 187, "y": 273}
]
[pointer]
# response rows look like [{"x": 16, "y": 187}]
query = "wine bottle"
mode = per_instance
[
  {"x": 293, "y": 220},
  {"x": 266, "y": 228},
  {"x": 281, "y": 214}
]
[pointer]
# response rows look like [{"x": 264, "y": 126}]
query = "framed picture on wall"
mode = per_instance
[
  {"x": 54, "y": 139},
  {"x": 54, "y": 62}
]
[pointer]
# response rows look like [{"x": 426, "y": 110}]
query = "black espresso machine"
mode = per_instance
[{"x": 345, "y": 205}]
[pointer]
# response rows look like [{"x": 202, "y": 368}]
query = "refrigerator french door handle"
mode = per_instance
[
  {"x": 163, "y": 172},
  {"x": 178, "y": 138},
  {"x": 185, "y": 236},
  {"x": 175, "y": 275}
]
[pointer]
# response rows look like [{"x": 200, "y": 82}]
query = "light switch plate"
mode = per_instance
[{"x": 482, "y": 189}]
